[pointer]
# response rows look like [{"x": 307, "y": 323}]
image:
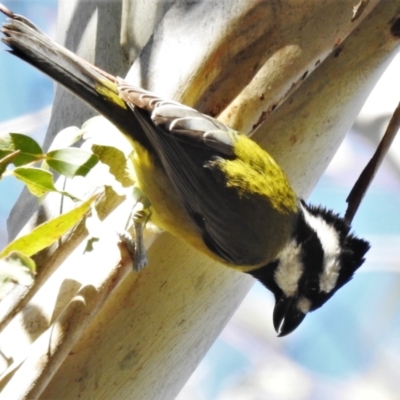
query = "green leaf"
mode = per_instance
[
  {"x": 37, "y": 180},
  {"x": 65, "y": 138},
  {"x": 29, "y": 149},
  {"x": 116, "y": 161},
  {"x": 49, "y": 232},
  {"x": 71, "y": 162},
  {"x": 113, "y": 149}
]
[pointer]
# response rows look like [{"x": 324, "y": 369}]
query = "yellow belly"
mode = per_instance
[{"x": 167, "y": 212}]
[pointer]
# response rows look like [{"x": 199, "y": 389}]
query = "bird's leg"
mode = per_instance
[{"x": 140, "y": 215}]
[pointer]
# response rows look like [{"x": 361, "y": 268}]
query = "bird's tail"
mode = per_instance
[{"x": 91, "y": 84}]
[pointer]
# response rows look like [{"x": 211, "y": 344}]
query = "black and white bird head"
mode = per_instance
[{"x": 320, "y": 258}]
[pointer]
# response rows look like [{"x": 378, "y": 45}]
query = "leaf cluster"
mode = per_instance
[
  {"x": 23, "y": 158},
  {"x": 23, "y": 152}
]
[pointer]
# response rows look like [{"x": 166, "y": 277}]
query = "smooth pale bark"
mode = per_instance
[{"x": 116, "y": 334}]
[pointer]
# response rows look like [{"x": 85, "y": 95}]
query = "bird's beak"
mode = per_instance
[{"x": 287, "y": 317}]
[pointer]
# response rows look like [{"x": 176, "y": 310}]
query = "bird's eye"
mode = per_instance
[{"x": 311, "y": 287}]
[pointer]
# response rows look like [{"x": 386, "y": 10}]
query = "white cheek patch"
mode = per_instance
[
  {"x": 290, "y": 269},
  {"x": 304, "y": 305},
  {"x": 330, "y": 244}
]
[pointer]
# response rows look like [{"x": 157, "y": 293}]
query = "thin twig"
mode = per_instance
[{"x": 361, "y": 186}]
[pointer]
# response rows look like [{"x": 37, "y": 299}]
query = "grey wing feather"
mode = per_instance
[{"x": 184, "y": 122}]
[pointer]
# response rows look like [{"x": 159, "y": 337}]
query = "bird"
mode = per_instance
[{"x": 210, "y": 185}]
